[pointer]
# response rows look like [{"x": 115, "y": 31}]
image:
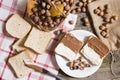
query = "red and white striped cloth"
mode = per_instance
[{"x": 47, "y": 60}]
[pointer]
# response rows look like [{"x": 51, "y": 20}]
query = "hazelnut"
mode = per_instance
[
  {"x": 106, "y": 19},
  {"x": 48, "y": 6},
  {"x": 58, "y": 2},
  {"x": 106, "y": 29},
  {"x": 78, "y": 9},
  {"x": 45, "y": 24},
  {"x": 48, "y": 19},
  {"x": 80, "y": 4},
  {"x": 42, "y": 11},
  {"x": 43, "y": 4},
  {"x": 106, "y": 15},
  {"x": 73, "y": 11},
  {"x": 111, "y": 20},
  {"x": 107, "y": 36},
  {"x": 48, "y": 13},
  {"x": 85, "y": 4},
  {"x": 42, "y": 17},
  {"x": 89, "y": 1},
  {"x": 39, "y": 23},
  {"x": 101, "y": 13},
  {"x": 84, "y": 0},
  {"x": 100, "y": 8},
  {"x": 87, "y": 24},
  {"x": 102, "y": 27},
  {"x": 67, "y": 7},
  {"x": 81, "y": 68},
  {"x": 80, "y": 58},
  {"x": 51, "y": 25},
  {"x": 107, "y": 6},
  {"x": 71, "y": 1},
  {"x": 107, "y": 11},
  {"x": 57, "y": 20},
  {"x": 103, "y": 33},
  {"x": 115, "y": 17},
  {"x": 34, "y": 9},
  {"x": 86, "y": 19},
  {"x": 83, "y": 9},
  {"x": 57, "y": 33},
  {"x": 71, "y": 22},
  {"x": 87, "y": 65},
  {"x": 64, "y": 3},
  {"x": 96, "y": 11},
  {"x": 36, "y": 18}
]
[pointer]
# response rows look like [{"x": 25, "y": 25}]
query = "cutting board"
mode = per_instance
[{"x": 113, "y": 42}]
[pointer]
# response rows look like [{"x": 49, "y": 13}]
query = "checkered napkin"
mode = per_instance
[{"x": 47, "y": 60}]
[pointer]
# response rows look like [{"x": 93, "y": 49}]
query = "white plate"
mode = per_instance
[{"x": 81, "y": 35}]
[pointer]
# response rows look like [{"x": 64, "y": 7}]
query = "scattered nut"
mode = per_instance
[
  {"x": 34, "y": 9},
  {"x": 42, "y": 11},
  {"x": 78, "y": 9},
  {"x": 101, "y": 13},
  {"x": 107, "y": 6},
  {"x": 73, "y": 11},
  {"x": 64, "y": 3},
  {"x": 87, "y": 65},
  {"x": 48, "y": 13},
  {"x": 84, "y": 0},
  {"x": 80, "y": 4},
  {"x": 100, "y": 8},
  {"x": 111, "y": 20},
  {"x": 67, "y": 7},
  {"x": 71, "y": 22},
  {"x": 85, "y": 4},
  {"x": 43, "y": 4},
  {"x": 102, "y": 27},
  {"x": 36, "y": 18},
  {"x": 89, "y": 1},
  {"x": 83, "y": 9},
  {"x": 86, "y": 19},
  {"x": 87, "y": 24},
  {"x": 103, "y": 33},
  {"x": 96, "y": 11},
  {"x": 115, "y": 17},
  {"x": 48, "y": 6}
]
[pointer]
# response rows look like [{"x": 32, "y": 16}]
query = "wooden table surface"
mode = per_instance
[{"x": 104, "y": 70}]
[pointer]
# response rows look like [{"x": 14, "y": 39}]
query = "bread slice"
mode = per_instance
[
  {"x": 18, "y": 46},
  {"x": 18, "y": 65},
  {"x": 94, "y": 50},
  {"x": 17, "y": 27},
  {"x": 69, "y": 47},
  {"x": 38, "y": 40}
]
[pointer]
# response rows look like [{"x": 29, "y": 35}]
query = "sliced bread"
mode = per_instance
[
  {"x": 94, "y": 50},
  {"x": 69, "y": 47},
  {"x": 18, "y": 65},
  {"x": 17, "y": 27},
  {"x": 38, "y": 40}
]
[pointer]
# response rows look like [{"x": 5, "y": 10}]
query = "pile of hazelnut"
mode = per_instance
[
  {"x": 78, "y": 64},
  {"x": 108, "y": 19},
  {"x": 48, "y": 14}
]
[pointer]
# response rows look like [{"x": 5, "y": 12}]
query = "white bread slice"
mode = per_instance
[
  {"x": 18, "y": 65},
  {"x": 38, "y": 40},
  {"x": 65, "y": 52},
  {"x": 91, "y": 55},
  {"x": 19, "y": 46},
  {"x": 17, "y": 27},
  {"x": 94, "y": 50}
]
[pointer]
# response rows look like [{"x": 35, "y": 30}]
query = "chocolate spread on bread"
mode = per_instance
[
  {"x": 72, "y": 42},
  {"x": 98, "y": 46}
]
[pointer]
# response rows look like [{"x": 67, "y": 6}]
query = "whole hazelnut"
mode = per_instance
[
  {"x": 107, "y": 36},
  {"x": 85, "y": 4},
  {"x": 42, "y": 17},
  {"x": 96, "y": 11},
  {"x": 100, "y": 8},
  {"x": 83, "y": 9},
  {"x": 51, "y": 25},
  {"x": 103, "y": 33},
  {"x": 115, "y": 17},
  {"x": 101, "y": 13},
  {"x": 102, "y": 27},
  {"x": 107, "y": 6},
  {"x": 89, "y": 1},
  {"x": 84, "y": 0},
  {"x": 43, "y": 4},
  {"x": 34, "y": 9},
  {"x": 107, "y": 11},
  {"x": 42, "y": 11},
  {"x": 48, "y": 13},
  {"x": 36, "y": 18},
  {"x": 64, "y": 3},
  {"x": 71, "y": 1},
  {"x": 45, "y": 24},
  {"x": 87, "y": 23},
  {"x": 107, "y": 19},
  {"x": 48, "y": 6},
  {"x": 87, "y": 65},
  {"x": 86, "y": 19},
  {"x": 80, "y": 4},
  {"x": 111, "y": 20},
  {"x": 73, "y": 11},
  {"x": 39, "y": 23},
  {"x": 67, "y": 7},
  {"x": 57, "y": 20},
  {"x": 78, "y": 9}
]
